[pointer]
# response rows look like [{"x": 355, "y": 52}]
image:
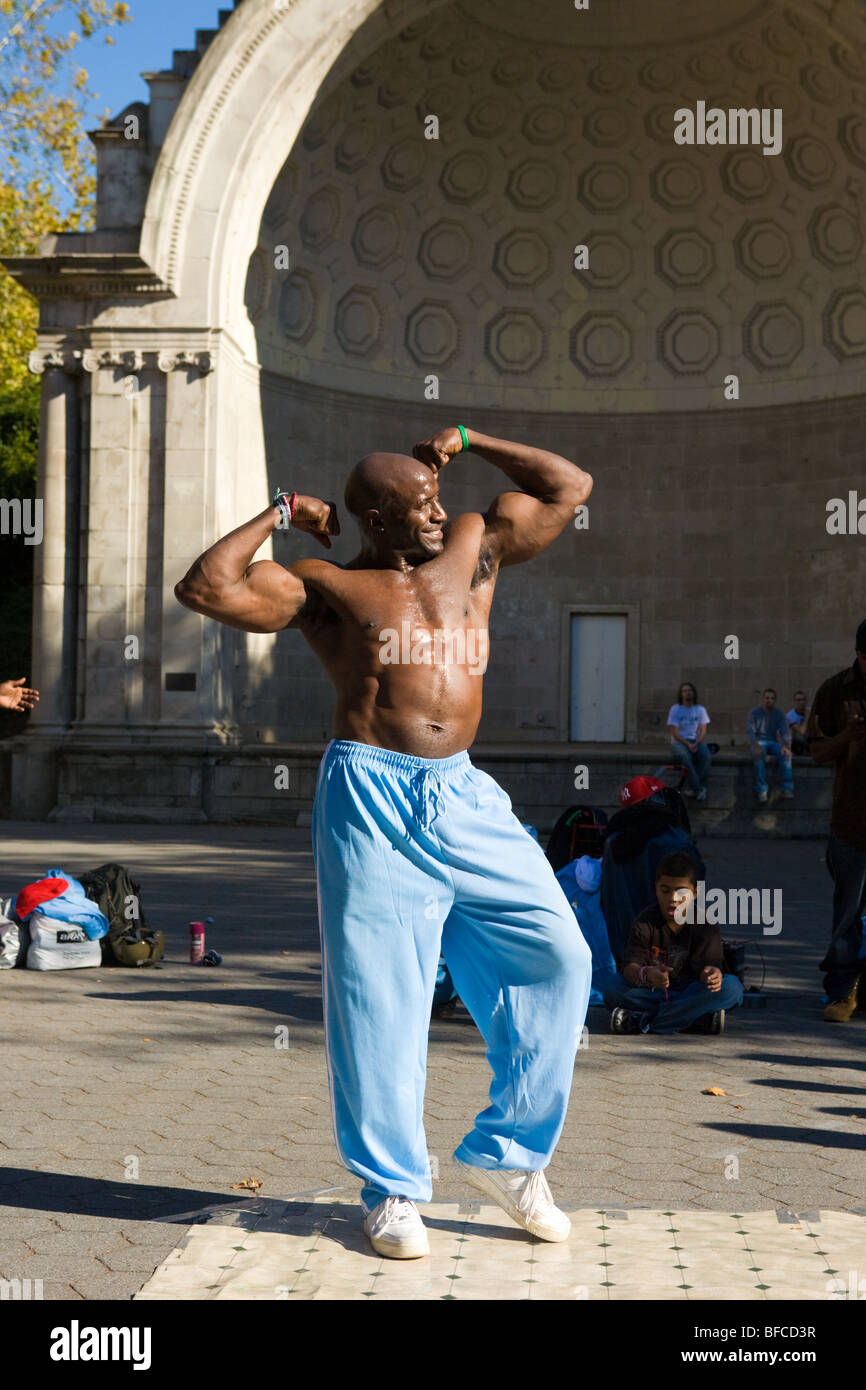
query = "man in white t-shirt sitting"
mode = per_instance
[{"x": 688, "y": 721}]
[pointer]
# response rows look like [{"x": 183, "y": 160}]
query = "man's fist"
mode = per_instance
[
  {"x": 439, "y": 449},
  {"x": 317, "y": 518},
  {"x": 16, "y": 695}
]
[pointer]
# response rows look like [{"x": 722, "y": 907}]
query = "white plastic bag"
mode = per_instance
[
  {"x": 13, "y": 936},
  {"x": 58, "y": 945}
]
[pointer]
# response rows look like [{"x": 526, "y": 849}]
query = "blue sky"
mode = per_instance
[{"x": 145, "y": 45}]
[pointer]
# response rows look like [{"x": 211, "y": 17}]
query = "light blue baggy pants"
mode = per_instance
[{"x": 414, "y": 853}]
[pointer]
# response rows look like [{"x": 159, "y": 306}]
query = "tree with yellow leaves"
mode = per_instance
[{"x": 47, "y": 179}]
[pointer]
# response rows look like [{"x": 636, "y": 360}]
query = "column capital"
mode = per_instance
[
  {"x": 54, "y": 359},
  {"x": 126, "y": 359},
  {"x": 171, "y": 359}
]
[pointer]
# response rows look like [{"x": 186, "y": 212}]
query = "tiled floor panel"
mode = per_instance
[{"x": 317, "y": 1250}]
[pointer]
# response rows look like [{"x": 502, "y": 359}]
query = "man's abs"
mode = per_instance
[{"x": 427, "y": 711}]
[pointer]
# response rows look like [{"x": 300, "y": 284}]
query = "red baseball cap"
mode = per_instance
[{"x": 638, "y": 789}]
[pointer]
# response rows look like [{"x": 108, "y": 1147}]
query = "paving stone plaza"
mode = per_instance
[{"x": 136, "y": 1101}]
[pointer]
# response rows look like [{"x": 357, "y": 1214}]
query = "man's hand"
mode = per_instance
[
  {"x": 785, "y": 750},
  {"x": 319, "y": 519},
  {"x": 757, "y": 750},
  {"x": 16, "y": 695},
  {"x": 657, "y": 979},
  {"x": 439, "y": 449},
  {"x": 711, "y": 976}
]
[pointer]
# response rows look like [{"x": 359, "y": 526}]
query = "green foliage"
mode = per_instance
[
  {"x": 19, "y": 430},
  {"x": 48, "y": 181}
]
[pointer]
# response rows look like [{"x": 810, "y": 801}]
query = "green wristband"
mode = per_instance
[{"x": 464, "y": 438}]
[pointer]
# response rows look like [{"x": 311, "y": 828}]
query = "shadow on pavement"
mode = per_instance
[
  {"x": 38, "y": 1190},
  {"x": 826, "y": 1088},
  {"x": 801, "y": 1059},
  {"x": 821, "y": 1138},
  {"x": 283, "y": 1003}
]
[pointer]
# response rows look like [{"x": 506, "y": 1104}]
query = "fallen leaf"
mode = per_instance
[
  {"x": 739, "y": 1107},
  {"x": 250, "y": 1184},
  {"x": 713, "y": 1091},
  {"x": 145, "y": 1039}
]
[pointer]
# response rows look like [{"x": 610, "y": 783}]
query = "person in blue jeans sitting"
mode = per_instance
[
  {"x": 687, "y": 722},
  {"x": 769, "y": 732},
  {"x": 672, "y": 980}
]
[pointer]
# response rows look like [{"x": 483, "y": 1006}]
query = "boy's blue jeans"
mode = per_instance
[
  {"x": 786, "y": 766},
  {"x": 682, "y": 1006}
]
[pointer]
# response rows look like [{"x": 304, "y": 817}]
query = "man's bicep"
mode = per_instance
[
  {"x": 267, "y": 599},
  {"x": 518, "y": 526}
]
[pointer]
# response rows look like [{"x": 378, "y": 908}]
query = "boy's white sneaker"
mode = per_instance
[
  {"x": 524, "y": 1195},
  {"x": 394, "y": 1228}
]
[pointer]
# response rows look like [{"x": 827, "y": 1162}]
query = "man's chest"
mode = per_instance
[{"x": 429, "y": 600}]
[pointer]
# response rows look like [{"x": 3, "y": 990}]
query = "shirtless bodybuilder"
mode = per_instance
[{"x": 416, "y": 850}]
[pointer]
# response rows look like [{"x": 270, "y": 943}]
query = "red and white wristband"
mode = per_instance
[{"x": 286, "y": 505}]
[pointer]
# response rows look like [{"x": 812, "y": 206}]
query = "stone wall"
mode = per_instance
[
  {"x": 277, "y": 786},
  {"x": 713, "y": 524}
]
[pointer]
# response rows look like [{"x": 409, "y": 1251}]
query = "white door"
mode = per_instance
[{"x": 597, "y": 697}]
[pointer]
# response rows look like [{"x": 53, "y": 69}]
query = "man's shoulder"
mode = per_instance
[
  {"x": 833, "y": 686},
  {"x": 319, "y": 574},
  {"x": 464, "y": 541},
  {"x": 465, "y": 526}
]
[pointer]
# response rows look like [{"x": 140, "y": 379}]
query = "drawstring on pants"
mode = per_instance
[{"x": 430, "y": 796}]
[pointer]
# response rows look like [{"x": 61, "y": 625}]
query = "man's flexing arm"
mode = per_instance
[
  {"x": 225, "y": 584},
  {"x": 519, "y": 525}
]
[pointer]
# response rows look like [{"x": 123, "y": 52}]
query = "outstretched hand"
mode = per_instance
[
  {"x": 440, "y": 448},
  {"x": 16, "y": 695},
  {"x": 319, "y": 519}
]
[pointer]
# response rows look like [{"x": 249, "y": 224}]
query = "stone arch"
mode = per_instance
[
  {"x": 698, "y": 270},
  {"x": 239, "y": 115}
]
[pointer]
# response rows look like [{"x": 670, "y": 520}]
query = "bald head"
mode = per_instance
[
  {"x": 395, "y": 500},
  {"x": 381, "y": 480}
]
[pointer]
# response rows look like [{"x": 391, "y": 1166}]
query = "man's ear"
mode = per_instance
[{"x": 373, "y": 520}]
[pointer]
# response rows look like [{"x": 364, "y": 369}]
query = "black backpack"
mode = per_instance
[
  {"x": 580, "y": 830},
  {"x": 130, "y": 941}
]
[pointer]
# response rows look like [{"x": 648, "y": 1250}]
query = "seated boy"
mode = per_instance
[{"x": 672, "y": 979}]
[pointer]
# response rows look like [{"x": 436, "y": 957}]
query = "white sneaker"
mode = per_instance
[
  {"x": 687, "y": 791},
  {"x": 702, "y": 794},
  {"x": 395, "y": 1229},
  {"x": 524, "y": 1195},
  {"x": 762, "y": 797}
]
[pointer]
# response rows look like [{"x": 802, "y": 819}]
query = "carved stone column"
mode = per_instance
[
  {"x": 55, "y": 593},
  {"x": 189, "y": 647}
]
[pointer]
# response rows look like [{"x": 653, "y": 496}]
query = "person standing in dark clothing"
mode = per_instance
[{"x": 837, "y": 734}]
